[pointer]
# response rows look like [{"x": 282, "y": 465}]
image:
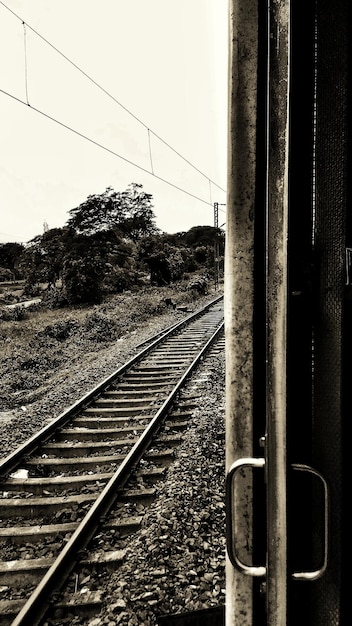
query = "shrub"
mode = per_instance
[
  {"x": 60, "y": 330},
  {"x": 82, "y": 279},
  {"x": 99, "y": 327},
  {"x": 54, "y": 298},
  {"x": 23, "y": 381},
  {"x": 13, "y": 314},
  {"x": 119, "y": 279},
  {"x": 39, "y": 362},
  {"x": 31, "y": 290},
  {"x": 199, "y": 284}
]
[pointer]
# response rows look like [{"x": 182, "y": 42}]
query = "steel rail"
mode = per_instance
[
  {"x": 12, "y": 460},
  {"x": 37, "y": 605}
]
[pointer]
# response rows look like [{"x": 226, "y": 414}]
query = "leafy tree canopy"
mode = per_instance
[
  {"x": 82, "y": 279},
  {"x": 10, "y": 254},
  {"x": 129, "y": 212},
  {"x": 43, "y": 256},
  {"x": 201, "y": 235}
]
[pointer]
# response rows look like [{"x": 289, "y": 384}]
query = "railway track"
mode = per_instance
[{"x": 92, "y": 469}]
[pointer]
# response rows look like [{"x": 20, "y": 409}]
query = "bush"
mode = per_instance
[
  {"x": 39, "y": 362},
  {"x": 31, "y": 290},
  {"x": 23, "y": 381},
  {"x": 6, "y": 274},
  {"x": 54, "y": 298},
  {"x": 119, "y": 279},
  {"x": 60, "y": 330},
  {"x": 99, "y": 327},
  {"x": 15, "y": 314},
  {"x": 82, "y": 280},
  {"x": 199, "y": 284}
]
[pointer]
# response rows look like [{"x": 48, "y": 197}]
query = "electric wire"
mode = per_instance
[
  {"x": 99, "y": 145},
  {"x": 111, "y": 96}
]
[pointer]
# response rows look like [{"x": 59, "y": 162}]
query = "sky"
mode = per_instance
[{"x": 105, "y": 93}]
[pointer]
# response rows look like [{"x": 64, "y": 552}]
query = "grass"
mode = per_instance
[{"x": 37, "y": 342}]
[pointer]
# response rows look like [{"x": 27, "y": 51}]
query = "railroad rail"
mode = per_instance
[{"x": 60, "y": 486}]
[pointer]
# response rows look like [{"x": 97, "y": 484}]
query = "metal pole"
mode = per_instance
[
  {"x": 239, "y": 281},
  {"x": 276, "y": 297},
  {"x": 216, "y": 245}
]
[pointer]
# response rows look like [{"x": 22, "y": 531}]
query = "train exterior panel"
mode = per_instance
[{"x": 287, "y": 309}]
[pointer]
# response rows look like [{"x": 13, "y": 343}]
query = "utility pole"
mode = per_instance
[{"x": 216, "y": 244}]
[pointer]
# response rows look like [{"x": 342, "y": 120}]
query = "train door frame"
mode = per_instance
[{"x": 298, "y": 312}]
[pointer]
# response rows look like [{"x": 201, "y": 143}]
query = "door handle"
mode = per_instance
[
  {"x": 250, "y": 570},
  {"x": 260, "y": 571},
  {"x": 318, "y": 573}
]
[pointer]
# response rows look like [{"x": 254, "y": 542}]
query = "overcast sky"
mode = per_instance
[{"x": 152, "y": 64}]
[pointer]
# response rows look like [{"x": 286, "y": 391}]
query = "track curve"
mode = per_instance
[{"x": 65, "y": 479}]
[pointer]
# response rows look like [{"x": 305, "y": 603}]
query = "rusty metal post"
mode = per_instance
[
  {"x": 243, "y": 57},
  {"x": 239, "y": 296},
  {"x": 277, "y": 286}
]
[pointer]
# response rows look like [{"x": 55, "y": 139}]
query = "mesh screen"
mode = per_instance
[{"x": 330, "y": 209}]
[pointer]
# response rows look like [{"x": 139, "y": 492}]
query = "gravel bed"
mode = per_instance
[
  {"x": 180, "y": 552},
  {"x": 176, "y": 562}
]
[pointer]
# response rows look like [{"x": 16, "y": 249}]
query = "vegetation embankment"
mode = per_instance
[
  {"x": 101, "y": 277},
  {"x": 51, "y": 358},
  {"x": 109, "y": 244},
  {"x": 44, "y": 345}
]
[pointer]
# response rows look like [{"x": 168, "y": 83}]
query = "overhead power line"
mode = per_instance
[
  {"x": 112, "y": 98},
  {"x": 99, "y": 145}
]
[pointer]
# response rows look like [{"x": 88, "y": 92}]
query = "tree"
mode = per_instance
[
  {"x": 42, "y": 259},
  {"x": 82, "y": 279},
  {"x": 139, "y": 216},
  {"x": 200, "y": 236},
  {"x": 31, "y": 266},
  {"x": 164, "y": 261},
  {"x": 102, "y": 262},
  {"x": 128, "y": 213},
  {"x": 205, "y": 242},
  {"x": 54, "y": 247},
  {"x": 10, "y": 255},
  {"x": 97, "y": 214},
  {"x": 6, "y": 275}
]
